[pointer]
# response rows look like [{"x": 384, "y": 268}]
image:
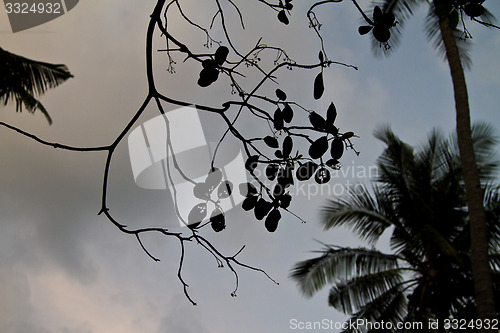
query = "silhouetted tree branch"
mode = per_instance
[
  {"x": 273, "y": 160},
  {"x": 268, "y": 195}
]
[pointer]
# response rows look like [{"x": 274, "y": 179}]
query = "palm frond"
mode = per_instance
[
  {"x": 394, "y": 161},
  {"x": 433, "y": 34},
  {"x": 485, "y": 150},
  {"x": 367, "y": 216},
  {"x": 389, "y": 307},
  {"x": 420, "y": 195},
  {"x": 339, "y": 263},
  {"x": 351, "y": 295},
  {"x": 403, "y": 9},
  {"x": 492, "y": 209},
  {"x": 31, "y": 103},
  {"x": 495, "y": 263},
  {"x": 22, "y": 79}
]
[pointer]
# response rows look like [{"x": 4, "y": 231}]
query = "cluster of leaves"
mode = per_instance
[
  {"x": 383, "y": 18},
  {"x": 203, "y": 191},
  {"x": 380, "y": 26},
  {"x": 287, "y": 167},
  {"x": 457, "y": 8},
  {"x": 277, "y": 154},
  {"x": 210, "y": 72},
  {"x": 282, "y": 14}
]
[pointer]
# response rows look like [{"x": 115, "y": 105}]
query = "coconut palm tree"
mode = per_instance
[
  {"x": 443, "y": 20},
  {"x": 23, "y": 80},
  {"x": 419, "y": 198}
]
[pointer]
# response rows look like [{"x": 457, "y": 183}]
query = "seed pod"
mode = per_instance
[{"x": 322, "y": 176}]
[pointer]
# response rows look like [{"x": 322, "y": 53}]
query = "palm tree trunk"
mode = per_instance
[{"x": 483, "y": 286}]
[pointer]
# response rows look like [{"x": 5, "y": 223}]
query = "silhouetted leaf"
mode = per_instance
[
  {"x": 347, "y": 135},
  {"x": 321, "y": 57},
  {"x": 285, "y": 176},
  {"x": 202, "y": 191},
  {"x": 337, "y": 148},
  {"x": 322, "y": 176},
  {"x": 288, "y": 5},
  {"x": 363, "y": 30},
  {"x": 248, "y": 190},
  {"x": 278, "y": 154},
  {"x": 262, "y": 208},
  {"x": 213, "y": 178},
  {"x": 319, "y": 147},
  {"x": 249, "y": 202},
  {"x": 221, "y": 54},
  {"x": 217, "y": 220},
  {"x": 271, "y": 141},
  {"x": 453, "y": 19},
  {"x": 474, "y": 9},
  {"x": 388, "y": 19},
  {"x": 278, "y": 120},
  {"x": 282, "y": 17},
  {"x": 331, "y": 114},
  {"x": 197, "y": 214},
  {"x": 332, "y": 163},
  {"x": 272, "y": 171},
  {"x": 209, "y": 64},
  {"x": 332, "y": 129},
  {"x": 285, "y": 200},
  {"x": 377, "y": 14},
  {"x": 208, "y": 76},
  {"x": 225, "y": 189},
  {"x": 319, "y": 86},
  {"x": 306, "y": 170},
  {"x": 252, "y": 163},
  {"x": 287, "y": 113},
  {"x": 382, "y": 34},
  {"x": 280, "y": 94},
  {"x": 287, "y": 146},
  {"x": 317, "y": 121},
  {"x": 272, "y": 220}
]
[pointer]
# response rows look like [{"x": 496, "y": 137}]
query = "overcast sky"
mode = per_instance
[{"x": 65, "y": 269}]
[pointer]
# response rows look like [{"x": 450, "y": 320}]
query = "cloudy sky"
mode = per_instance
[{"x": 65, "y": 269}]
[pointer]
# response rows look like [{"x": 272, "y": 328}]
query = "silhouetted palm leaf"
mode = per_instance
[
  {"x": 419, "y": 197},
  {"x": 339, "y": 263},
  {"x": 22, "y": 80},
  {"x": 350, "y": 295}
]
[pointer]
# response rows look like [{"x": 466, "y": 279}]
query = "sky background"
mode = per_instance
[{"x": 63, "y": 269}]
